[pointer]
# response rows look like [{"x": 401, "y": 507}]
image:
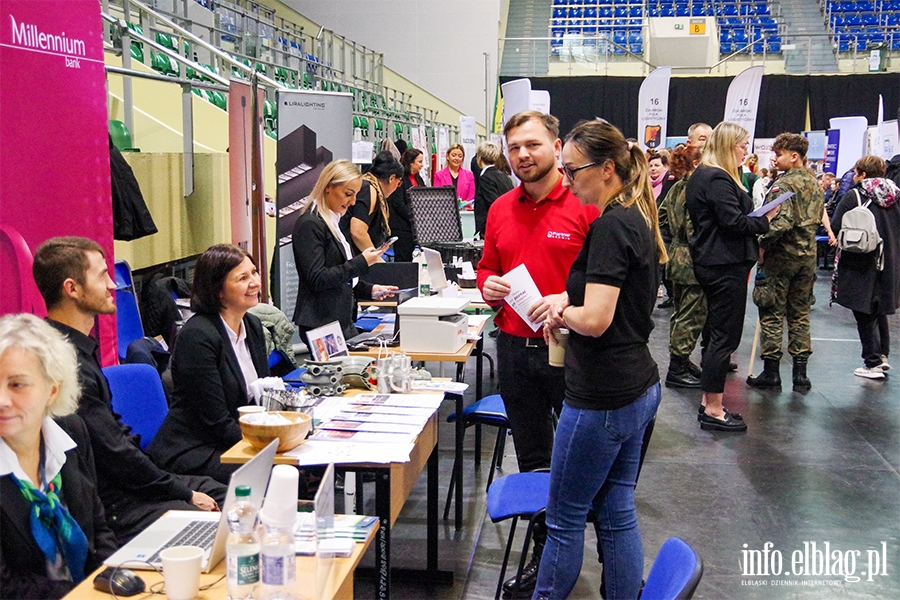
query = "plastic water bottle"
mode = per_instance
[
  {"x": 424, "y": 281},
  {"x": 242, "y": 547},
  {"x": 278, "y": 557}
]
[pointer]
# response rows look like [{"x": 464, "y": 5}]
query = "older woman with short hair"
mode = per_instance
[
  {"x": 53, "y": 531},
  {"x": 219, "y": 352}
]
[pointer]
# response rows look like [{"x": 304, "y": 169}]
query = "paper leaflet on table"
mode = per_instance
[
  {"x": 389, "y": 410},
  {"x": 405, "y": 400},
  {"x": 368, "y": 437},
  {"x": 315, "y": 452},
  {"x": 340, "y": 425},
  {"x": 365, "y": 417},
  {"x": 440, "y": 386},
  {"x": 523, "y": 293},
  {"x": 765, "y": 208}
]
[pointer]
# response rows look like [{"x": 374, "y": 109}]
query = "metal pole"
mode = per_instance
[
  {"x": 487, "y": 87},
  {"x": 187, "y": 125}
]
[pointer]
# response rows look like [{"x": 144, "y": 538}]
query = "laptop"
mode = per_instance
[{"x": 209, "y": 530}]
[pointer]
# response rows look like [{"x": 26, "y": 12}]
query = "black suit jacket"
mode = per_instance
[
  {"x": 723, "y": 233},
  {"x": 491, "y": 185},
  {"x": 23, "y": 565},
  {"x": 324, "y": 292},
  {"x": 209, "y": 387},
  {"x": 124, "y": 471}
]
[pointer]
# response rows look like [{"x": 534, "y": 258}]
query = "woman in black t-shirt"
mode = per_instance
[
  {"x": 367, "y": 223},
  {"x": 612, "y": 382}
]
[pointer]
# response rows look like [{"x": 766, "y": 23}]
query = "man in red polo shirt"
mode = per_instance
[{"x": 542, "y": 225}]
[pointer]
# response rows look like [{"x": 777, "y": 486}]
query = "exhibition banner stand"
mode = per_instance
[
  {"x": 653, "y": 109},
  {"x": 314, "y": 128},
  {"x": 742, "y": 101}
]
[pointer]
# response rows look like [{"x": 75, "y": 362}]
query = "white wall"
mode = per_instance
[{"x": 437, "y": 44}]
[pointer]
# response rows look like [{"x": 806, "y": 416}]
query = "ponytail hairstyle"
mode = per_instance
[
  {"x": 600, "y": 141},
  {"x": 335, "y": 173},
  {"x": 719, "y": 150}
]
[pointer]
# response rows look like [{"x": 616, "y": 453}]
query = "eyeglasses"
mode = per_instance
[{"x": 570, "y": 172}]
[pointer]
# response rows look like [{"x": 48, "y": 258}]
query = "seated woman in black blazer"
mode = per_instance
[
  {"x": 328, "y": 273},
  {"x": 47, "y": 466},
  {"x": 218, "y": 353}
]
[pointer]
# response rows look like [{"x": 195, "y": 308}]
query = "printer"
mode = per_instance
[{"x": 433, "y": 324}]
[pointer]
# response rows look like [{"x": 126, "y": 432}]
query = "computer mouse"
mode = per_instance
[{"x": 122, "y": 582}]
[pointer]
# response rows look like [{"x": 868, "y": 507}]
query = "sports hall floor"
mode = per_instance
[{"x": 817, "y": 467}]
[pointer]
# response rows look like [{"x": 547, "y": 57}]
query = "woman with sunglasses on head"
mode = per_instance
[
  {"x": 612, "y": 382},
  {"x": 724, "y": 249}
]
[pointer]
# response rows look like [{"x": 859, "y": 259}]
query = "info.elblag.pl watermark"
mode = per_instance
[{"x": 813, "y": 564}]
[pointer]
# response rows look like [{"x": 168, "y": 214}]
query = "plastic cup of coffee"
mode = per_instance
[
  {"x": 557, "y": 347},
  {"x": 181, "y": 571}
]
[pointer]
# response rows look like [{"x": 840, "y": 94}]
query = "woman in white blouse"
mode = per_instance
[{"x": 327, "y": 272}]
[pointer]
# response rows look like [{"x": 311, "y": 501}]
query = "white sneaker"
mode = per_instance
[{"x": 869, "y": 372}]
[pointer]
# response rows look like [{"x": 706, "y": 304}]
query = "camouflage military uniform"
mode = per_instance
[
  {"x": 689, "y": 314},
  {"x": 789, "y": 263}
]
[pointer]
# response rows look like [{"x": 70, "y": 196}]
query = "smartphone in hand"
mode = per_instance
[{"x": 390, "y": 242}]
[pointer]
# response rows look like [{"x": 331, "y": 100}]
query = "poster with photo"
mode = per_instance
[{"x": 327, "y": 342}]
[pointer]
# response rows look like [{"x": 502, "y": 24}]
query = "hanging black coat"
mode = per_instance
[{"x": 131, "y": 218}]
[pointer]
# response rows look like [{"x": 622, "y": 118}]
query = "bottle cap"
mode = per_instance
[
  {"x": 280, "y": 506},
  {"x": 242, "y": 491}
]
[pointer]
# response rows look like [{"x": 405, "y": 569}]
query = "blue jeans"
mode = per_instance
[{"x": 595, "y": 465}]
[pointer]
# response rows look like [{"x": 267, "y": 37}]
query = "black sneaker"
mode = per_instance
[
  {"x": 529, "y": 580},
  {"x": 667, "y": 303}
]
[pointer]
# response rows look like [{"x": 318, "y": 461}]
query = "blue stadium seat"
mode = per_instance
[
  {"x": 635, "y": 12},
  {"x": 653, "y": 11},
  {"x": 725, "y": 36},
  {"x": 870, "y": 20},
  {"x": 666, "y": 11},
  {"x": 559, "y": 13},
  {"x": 762, "y": 10},
  {"x": 865, "y": 7},
  {"x": 698, "y": 10},
  {"x": 620, "y": 12},
  {"x": 682, "y": 10},
  {"x": 774, "y": 43},
  {"x": 605, "y": 11},
  {"x": 575, "y": 13},
  {"x": 730, "y": 10},
  {"x": 725, "y": 47},
  {"x": 590, "y": 12}
]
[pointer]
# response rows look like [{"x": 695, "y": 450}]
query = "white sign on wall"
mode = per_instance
[{"x": 468, "y": 137}]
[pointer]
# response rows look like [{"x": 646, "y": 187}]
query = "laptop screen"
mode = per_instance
[{"x": 435, "y": 269}]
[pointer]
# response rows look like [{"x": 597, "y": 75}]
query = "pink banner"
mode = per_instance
[{"x": 54, "y": 158}]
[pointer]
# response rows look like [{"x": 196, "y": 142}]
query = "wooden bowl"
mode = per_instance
[{"x": 291, "y": 435}]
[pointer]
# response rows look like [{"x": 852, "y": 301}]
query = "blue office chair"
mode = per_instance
[
  {"x": 520, "y": 495},
  {"x": 675, "y": 573},
  {"x": 490, "y": 410},
  {"x": 128, "y": 317},
  {"x": 138, "y": 396}
]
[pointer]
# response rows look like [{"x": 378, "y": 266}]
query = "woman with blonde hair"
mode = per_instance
[
  {"x": 453, "y": 174},
  {"x": 723, "y": 249},
  {"x": 53, "y": 531},
  {"x": 612, "y": 382},
  {"x": 328, "y": 272}
]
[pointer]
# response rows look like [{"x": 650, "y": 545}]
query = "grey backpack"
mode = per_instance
[{"x": 858, "y": 231}]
